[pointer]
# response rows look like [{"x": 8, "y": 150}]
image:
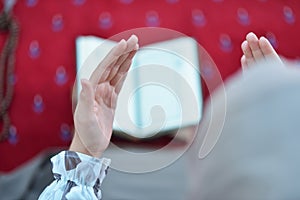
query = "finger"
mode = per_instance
[
  {"x": 243, "y": 62},
  {"x": 119, "y": 78},
  {"x": 87, "y": 95},
  {"x": 114, "y": 70},
  {"x": 120, "y": 83},
  {"x": 124, "y": 67},
  {"x": 131, "y": 45},
  {"x": 103, "y": 69},
  {"x": 246, "y": 50},
  {"x": 119, "y": 64},
  {"x": 254, "y": 46},
  {"x": 266, "y": 47},
  {"x": 247, "y": 53}
]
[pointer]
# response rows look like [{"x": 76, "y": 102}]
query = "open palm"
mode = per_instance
[
  {"x": 256, "y": 50},
  {"x": 94, "y": 113}
]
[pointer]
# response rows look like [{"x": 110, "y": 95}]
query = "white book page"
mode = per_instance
[{"x": 163, "y": 88}]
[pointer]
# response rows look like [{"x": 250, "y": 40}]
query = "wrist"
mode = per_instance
[{"x": 78, "y": 146}]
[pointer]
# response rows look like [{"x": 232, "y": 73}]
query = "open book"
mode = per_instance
[{"x": 162, "y": 91}]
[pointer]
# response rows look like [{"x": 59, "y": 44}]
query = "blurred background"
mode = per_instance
[{"x": 45, "y": 60}]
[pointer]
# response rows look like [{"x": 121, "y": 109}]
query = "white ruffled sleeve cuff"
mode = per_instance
[{"x": 77, "y": 176}]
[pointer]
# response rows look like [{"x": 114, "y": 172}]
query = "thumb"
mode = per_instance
[{"x": 87, "y": 94}]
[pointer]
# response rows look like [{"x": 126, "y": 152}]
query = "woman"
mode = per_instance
[{"x": 80, "y": 171}]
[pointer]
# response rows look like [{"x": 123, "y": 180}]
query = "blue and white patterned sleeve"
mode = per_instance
[{"x": 77, "y": 176}]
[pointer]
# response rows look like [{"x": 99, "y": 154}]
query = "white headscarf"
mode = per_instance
[{"x": 257, "y": 153}]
